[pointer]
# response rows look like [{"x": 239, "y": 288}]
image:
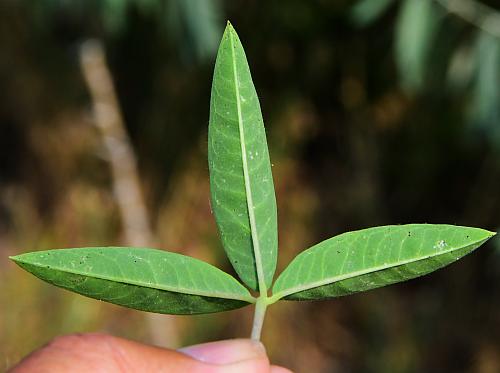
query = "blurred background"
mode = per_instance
[{"x": 377, "y": 112}]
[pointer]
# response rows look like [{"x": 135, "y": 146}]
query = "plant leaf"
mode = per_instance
[
  {"x": 416, "y": 29},
  {"x": 144, "y": 279},
  {"x": 485, "y": 110},
  {"x": 365, "y": 12},
  {"x": 241, "y": 182},
  {"x": 195, "y": 25},
  {"x": 371, "y": 258}
]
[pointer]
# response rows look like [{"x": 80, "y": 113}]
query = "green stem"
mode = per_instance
[{"x": 258, "y": 317}]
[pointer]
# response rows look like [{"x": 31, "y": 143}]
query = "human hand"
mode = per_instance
[{"x": 100, "y": 353}]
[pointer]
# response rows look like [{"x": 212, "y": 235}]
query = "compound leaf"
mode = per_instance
[
  {"x": 371, "y": 258},
  {"x": 241, "y": 182},
  {"x": 144, "y": 279}
]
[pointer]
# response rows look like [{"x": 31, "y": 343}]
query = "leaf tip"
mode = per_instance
[
  {"x": 20, "y": 260},
  {"x": 229, "y": 27},
  {"x": 488, "y": 234},
  {"x": 15, "y": 258}
]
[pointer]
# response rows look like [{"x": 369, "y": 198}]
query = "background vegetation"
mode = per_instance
[{"x": 377, "y": 112}]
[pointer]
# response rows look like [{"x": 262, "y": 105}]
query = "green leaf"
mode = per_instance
[
  {"x": 371, "y": 258},
  {"x": 485, "y": 110},
  {"x": 241, "y": 183},
  {"x": 365, "y": 12},
  {"x": 196, "y": 26},
  {"x": 416, "y": 29},
  {"x": 144, "y": 279}
]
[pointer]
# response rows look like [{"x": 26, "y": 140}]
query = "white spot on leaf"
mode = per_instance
[{"x": 440, "y": 245}]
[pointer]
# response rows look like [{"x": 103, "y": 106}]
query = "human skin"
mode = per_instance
[{"x": 101, "y": 353}]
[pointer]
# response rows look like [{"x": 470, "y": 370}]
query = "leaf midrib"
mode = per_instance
[
  {"x": 334, "y": 279},
  {"x": 157, "y": 286},
  {"x": 249, "y": 197}
]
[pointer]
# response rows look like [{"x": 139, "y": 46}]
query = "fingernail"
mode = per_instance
[{"x": 226, "y": 352}]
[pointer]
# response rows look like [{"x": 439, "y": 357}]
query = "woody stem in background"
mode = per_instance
[{"x": 126, "y": 186}]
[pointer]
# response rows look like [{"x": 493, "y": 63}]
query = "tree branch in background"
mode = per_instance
[{"x": 123, "y": 164}]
